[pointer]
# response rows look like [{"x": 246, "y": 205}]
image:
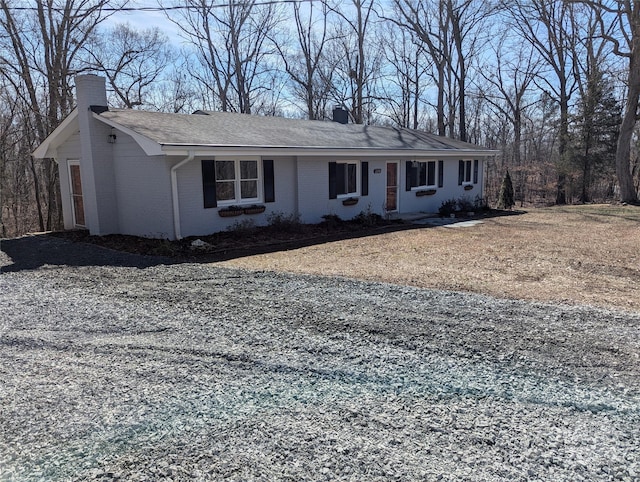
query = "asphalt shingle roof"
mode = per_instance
[{"x": 231, "y": 129}]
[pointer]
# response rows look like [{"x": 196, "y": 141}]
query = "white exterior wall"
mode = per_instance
[
  {"x": 313, "y": 185},
  {"x": 409, "y": 202},
  {"x": 69, "y": 151},
  {"x": 196, "y": 220},
  {"x": 313, "y": 190},
  {"x": 143, "y": 189},
  {"x": 104, "y": 178}
]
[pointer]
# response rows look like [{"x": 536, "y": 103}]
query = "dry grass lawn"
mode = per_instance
[{"x": 574, "y": 254}]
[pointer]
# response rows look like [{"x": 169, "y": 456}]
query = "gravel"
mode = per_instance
[{"x": 116, "y": 366}]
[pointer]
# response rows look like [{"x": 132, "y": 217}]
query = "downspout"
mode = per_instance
[{"x": 174, "y": 194}]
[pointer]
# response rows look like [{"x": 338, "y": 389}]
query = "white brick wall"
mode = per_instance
[
  {"x": 198, "y": 221},
  {"x": 143, "y": 189}
]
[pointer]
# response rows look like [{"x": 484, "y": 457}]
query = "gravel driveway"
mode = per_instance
[{"x": 114, "y": 366}]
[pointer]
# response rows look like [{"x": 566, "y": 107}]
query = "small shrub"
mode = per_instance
[
  {"x": 164, "y": 248},
  {"x": 285, "y": 222},
  {"x": 367, "y": 218},
  {"x": 465, "y": 205},
  {"x": 462, "y": 205},
  {"x": 246, "y": 226},
  {"x": 481, "y": 204},
  {"x": 448, "y": 207},
  {"x": 332, "y": 221}
]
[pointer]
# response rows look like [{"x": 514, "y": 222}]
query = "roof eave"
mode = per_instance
[
  {"x": 149, "y": 146},
  {"x": 48, "y": 148},
  {"x": 246, "y": 150}
]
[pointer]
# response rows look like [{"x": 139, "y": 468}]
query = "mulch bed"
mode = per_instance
[{"x": 240, "y": 242}]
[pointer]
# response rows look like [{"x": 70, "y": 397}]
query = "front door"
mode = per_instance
[
  {"x": 77, "y": 202},
  {"x": 392, "y": 187}
]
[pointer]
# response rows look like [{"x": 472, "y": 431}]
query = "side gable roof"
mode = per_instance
[
  {"x": 164, "y": 133},
  {"x": 224, "y": 129}
]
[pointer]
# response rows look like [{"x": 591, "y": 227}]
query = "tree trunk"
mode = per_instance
[{"x": 623, "y": 153}]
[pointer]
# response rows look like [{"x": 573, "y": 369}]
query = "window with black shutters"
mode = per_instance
[
  {"x": 421, "y": 174},
  {"x": 464, "y": 172},
  {"x": 232, "y": 181},
  {"x": 343, "y": 179}
]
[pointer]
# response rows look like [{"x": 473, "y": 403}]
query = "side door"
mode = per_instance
[
  {"x": 77, "y": 201},
  {"x": 391, "y": 200}
]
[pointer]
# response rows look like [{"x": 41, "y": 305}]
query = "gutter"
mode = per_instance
[{"x": 174, "y": 194}]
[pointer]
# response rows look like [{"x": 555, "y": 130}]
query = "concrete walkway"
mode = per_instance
[{"x": 431, "y": 219}]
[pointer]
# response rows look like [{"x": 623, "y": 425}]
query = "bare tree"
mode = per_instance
[
  {"x": 407, "y": 66},
  {"x": 451, "y": 32},
  {"x": 40, "y": 53},
  {"x": 131, "y": 60},
  {"x": 619, "y": 22},
  {"x": 232, "y": 44},
  {"x": 357, "y": 56},
  {"x": 550, "y": 28},
  {"x": 303, "y": 57},
  {"x": 427, "y": 20},
  {"x": 507, "y": 89},
  {"x": 177, "y": 92}
]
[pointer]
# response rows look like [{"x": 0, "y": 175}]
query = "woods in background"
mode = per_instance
[{"x": 552, "y": 85}]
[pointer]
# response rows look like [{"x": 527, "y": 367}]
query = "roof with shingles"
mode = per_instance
[{"x": 243, "y": 130}]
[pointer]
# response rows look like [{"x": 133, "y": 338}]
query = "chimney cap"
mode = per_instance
[{"x": 98, "y": 109}]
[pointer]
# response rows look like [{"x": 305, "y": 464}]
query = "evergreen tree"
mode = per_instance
[
  {"x": 505, "y": 198},
  {"x": 595, "y": 135}
]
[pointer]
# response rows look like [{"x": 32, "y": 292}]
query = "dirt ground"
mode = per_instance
[{"x": 574, "y": 254}]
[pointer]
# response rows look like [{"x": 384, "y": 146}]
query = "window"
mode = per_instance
[
  {"x": 422, "y": 174},
  {"x": 464, "y": 172},
  {"x": 344, "y": 176},
  {"x": 232, "y": 181}
]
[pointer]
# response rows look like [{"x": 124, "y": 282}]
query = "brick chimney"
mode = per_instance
[{"x": 96, "y": 162}]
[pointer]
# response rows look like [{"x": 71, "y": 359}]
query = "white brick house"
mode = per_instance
[{"x": 175, "y": 175}]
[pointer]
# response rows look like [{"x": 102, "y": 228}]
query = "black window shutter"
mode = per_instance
[
  {"x": 333, "y": 188},
  {"x": 269, "y": 181},
  {"x": 440, "y": 173},
  {"x": 209, "y": 183},
  {"x": 431, "y": 174},
  {"x": 364, "y": 191},
  {"x": 409, "y": 175},
  {"x": 460, "y": 173},
  {"x": 475, "y": 171}
]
